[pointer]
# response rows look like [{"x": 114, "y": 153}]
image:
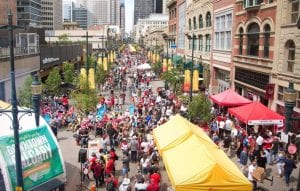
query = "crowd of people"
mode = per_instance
[{"x": 125, "y": 132}]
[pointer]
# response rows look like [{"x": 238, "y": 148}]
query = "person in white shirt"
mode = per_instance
[
  {"x": 259, "y": 140},
  {"x": 141, "y": 185},
  {"x": 221, "y": 129},
  {"x": 251, "y": 169}
]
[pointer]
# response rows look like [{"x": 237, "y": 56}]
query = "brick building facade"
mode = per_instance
[
  {"x": 222, "y": 47},
  {"x": 253, "y": 52}
]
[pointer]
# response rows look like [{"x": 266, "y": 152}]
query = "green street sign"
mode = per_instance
[{"x": 41, "y": 159}]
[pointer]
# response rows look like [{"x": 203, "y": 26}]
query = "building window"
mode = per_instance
[
  {"x": 295, "y": 10},
  {"x": 190, "y": 24},
  {"x": 222, "y": 33},
  {"x": 2, "y": 91},
  {"x": 195, "y": 23},
  {"x": 200, "y": 43},
  {"x": 200, "y": 22},
  {"x": 290, "y": 51},
  {"x": 207, "y": 43},
  {"x": 208, "y": 19},
  {"x": 280, "y": 93},
  {"x": 241, "y": 36},
  {"x": 267, "y": 30},
  {"x": 253, "y": 39}
]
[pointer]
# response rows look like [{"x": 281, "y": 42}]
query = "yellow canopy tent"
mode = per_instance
[
  {"x": 175, "y": 131},
  {"x": 193, "y": 165}
]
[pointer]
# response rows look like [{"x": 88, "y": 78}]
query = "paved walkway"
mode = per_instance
[{"x": 70, "y": 153}]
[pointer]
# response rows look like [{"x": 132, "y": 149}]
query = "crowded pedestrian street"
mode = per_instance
[{"x": 135, "y": 118}]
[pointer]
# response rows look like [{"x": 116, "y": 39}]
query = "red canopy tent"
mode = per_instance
[
  {"x": 229, "y": 98},
  {"x": 256, "y": 113}
]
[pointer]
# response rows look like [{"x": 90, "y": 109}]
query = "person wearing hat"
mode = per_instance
[{"x": 124, "y": 145}]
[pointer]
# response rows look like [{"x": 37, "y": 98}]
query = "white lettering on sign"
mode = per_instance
[{"x": 48, "y": 60}]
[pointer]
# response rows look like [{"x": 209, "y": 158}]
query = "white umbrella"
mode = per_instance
[{"x": 144, "y": 66}]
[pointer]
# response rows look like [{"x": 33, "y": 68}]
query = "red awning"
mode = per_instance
[
  {"x": 229, "y": 98},
  {"x": 256, "y": 113}
]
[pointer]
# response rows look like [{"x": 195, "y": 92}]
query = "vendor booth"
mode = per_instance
[
  {"x": 193, "y": 165},
  {"x": 256, "y": 113},
  {"x": 175, "y": 131},
  {"x": 229, "y": 98},
  {"x": 42, "y": 162},
  {"x": 193, "y": 161}
]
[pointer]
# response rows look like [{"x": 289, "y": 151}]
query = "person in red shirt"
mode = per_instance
[
  {"x": 110, "y": 165},
  {"x": 155, "y": 176},
  {"x": 113, "y": 154},
  {"x": 110, "y": 177},
  {"x": 153, "y": 186},
  {"x": 98, "y": 173}
]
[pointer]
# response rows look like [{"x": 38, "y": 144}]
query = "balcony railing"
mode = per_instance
[
  {"x": 19, "y": 51},
  {"x": 252, "y": 4}
]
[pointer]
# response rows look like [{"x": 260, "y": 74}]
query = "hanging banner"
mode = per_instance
[
  {"x": 111, "y": 57},
  {"x": 41, "y": 159},
  {"x": 105, "y": 63},
  {"x": 99, "y": 61},
  {"x": 82, "y": 78},
  {"x": 165, "y": 65},
  {"x": 149, "y": 55},
  {"x": 196, "y": 80},
  {"x": 157, "y": 58},
  {"x": 170, "y": 66},
  {"x": 187, "y": 81},
  {"x": 92, "y": 78},
  {"x": 270, "y": 91},
  {"x": 114, "y": 55}
]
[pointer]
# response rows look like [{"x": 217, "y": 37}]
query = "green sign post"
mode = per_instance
[{"x": 41, "y": 160}]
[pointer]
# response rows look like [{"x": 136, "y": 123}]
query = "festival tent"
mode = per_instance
[
  {"x": 229, "y": 98},
  {"x": 193, "y": 165},
  {"x": 256, "y": 113},
  {"x": 177, "y": 130},
  {"x": 144, "y": 66}
]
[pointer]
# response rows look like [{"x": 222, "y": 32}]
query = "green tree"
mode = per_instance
[
  {"x": 25, "y": 93},
  {"x": 63, "y": 38},
  {"x": 68, "y": 69},
  {"x": 53, "y": 81},
  {"x": 85, "y": 100},
  {"x": 199, "y": 108},
  {"x": 101, "y": 75},
  {"x": 157, "y": 68}
]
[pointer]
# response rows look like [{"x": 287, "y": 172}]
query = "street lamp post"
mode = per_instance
[
  {"x": 289, "y": 96},
  {"x": 192, "y": 65},
  {"x": 14, "y": 103}
]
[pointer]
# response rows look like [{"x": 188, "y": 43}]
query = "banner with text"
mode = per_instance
[{"x": 41, "y": 160}]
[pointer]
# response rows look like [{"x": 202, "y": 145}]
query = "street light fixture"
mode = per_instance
[
  {"x": 289, "y": 97},
  {"x": 36, "y": 90},
  {"x": 193, "y": 37}
]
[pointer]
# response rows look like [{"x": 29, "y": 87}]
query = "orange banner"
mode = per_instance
[
  {"x": 165, "y": 65},
  {"x": 196, "y": 80},
  {"x": 187, "y": 81}
]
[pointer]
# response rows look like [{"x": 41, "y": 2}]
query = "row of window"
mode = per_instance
[
  {"x": 198, "y": 43},
  {"x": 172, "y": 13},
  {"x": 281, "y": 89},
  {"x": 252, "y": 34},
  {"x": 200, "y": 22}
]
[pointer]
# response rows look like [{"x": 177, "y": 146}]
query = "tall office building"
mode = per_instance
[
  {"x": 142, "y": 9},
  {"x": 103, "y": 12},
  {"x": 29, "y": 13},
  {"x": 122, "y": 19},
  {"x": 5, "y": 6},
  {"x": 80, "y": 15},
  {"x": 52, "y": 14},
  {"x": 158, "y": 6},
  {"x": 115, "y": 12},
  {"x": 67, "y": 11}
]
